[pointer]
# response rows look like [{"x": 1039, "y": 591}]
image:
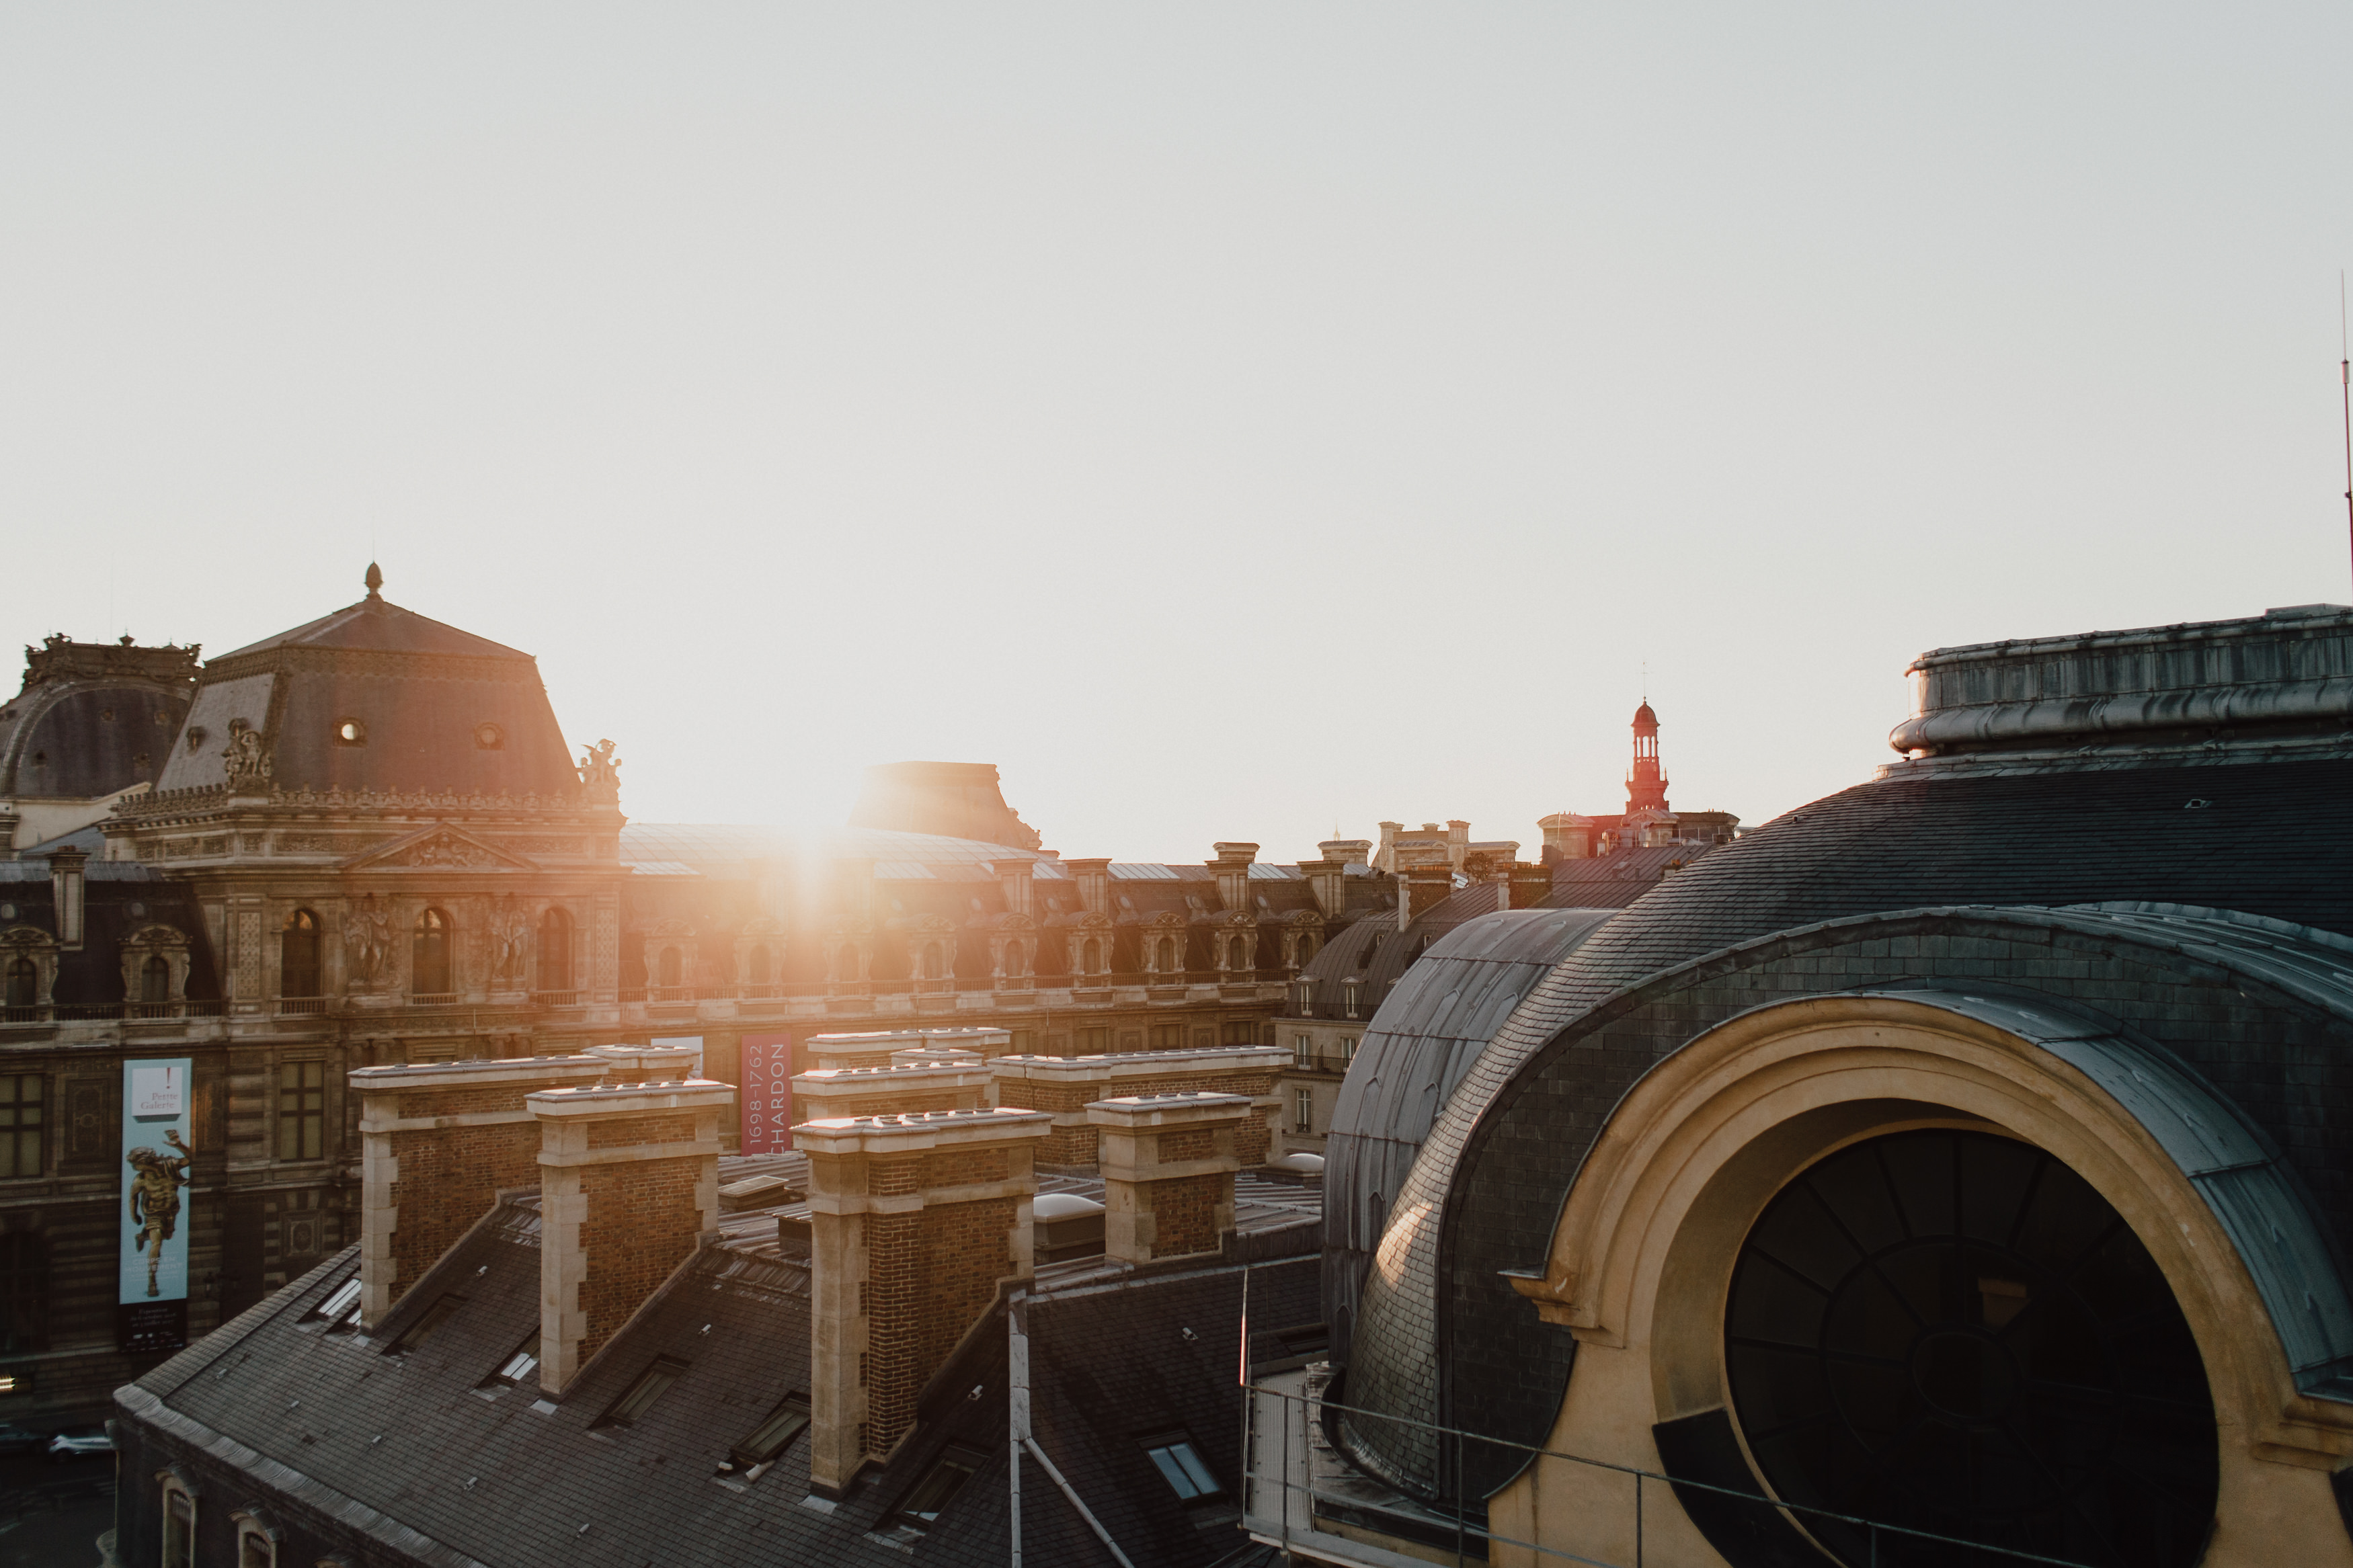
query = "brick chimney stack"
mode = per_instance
[
  {"x": 915, "y": 1221},
  {"x": 1425, "y": 888},
  {"x": 437, "y": 1143},
  {"x": 629, "y": 1181},
  {"x": 1093, "y": 877},
  {"x": 1525, "y": 887},
  {"x": 1232, "y": 866},
  {"x": 1168, "y": 1165}
]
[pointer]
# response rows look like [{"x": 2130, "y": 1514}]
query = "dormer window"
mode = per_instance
[
  {"x": 196, "y": 734},
  {"x": 349, "y": 732}
]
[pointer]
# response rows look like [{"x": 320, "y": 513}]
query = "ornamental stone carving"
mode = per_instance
[
  {"x": 600, "y": 772},
  {"x": 246, "y": 759},
  {"x": 509, "y": 939},
  {"x": 367, "y": 939}
]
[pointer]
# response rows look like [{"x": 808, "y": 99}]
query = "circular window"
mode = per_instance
[
  {"x": 349, "y": 732},
  {"x": 489, "y": 737},
  {"x": 1953, "y": 1333}
]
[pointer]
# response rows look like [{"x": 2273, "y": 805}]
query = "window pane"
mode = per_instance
[
  {"x": 934, "y": 1492},
  {"x": 774, "y": 1434}
]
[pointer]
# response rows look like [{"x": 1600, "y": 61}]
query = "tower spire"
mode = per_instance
[{"x": 375, "y": 580}]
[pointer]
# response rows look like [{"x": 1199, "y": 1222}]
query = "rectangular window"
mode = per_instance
[
  {"x": 1302, "y": 1050},
  {"x": 1093, "y": 1042},
  {"x": 519, "y": 1368},
  {"x": 1024, "y": 1042},
  {"x": 179, "y": 1528},
  {"x": 1347, "y": 1050},
  {"x": 1303, "y": 1111},
  {"x": 650, "y": 1386},
  {"x": 1181, "y": 1466},
  {"x": 421, "y": 1328},
  {"x": 20, "y": 1124},
  {"x": 775, "y": 1435},
  {"x": 1238, "y": 1032},
  {"x": 939, "y": 1486},
  {"x": 302, "y": 1111}
]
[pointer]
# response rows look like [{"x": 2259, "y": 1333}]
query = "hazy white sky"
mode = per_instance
[{"x": 1231, "y": 420}]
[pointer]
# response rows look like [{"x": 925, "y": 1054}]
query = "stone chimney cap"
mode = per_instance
[
  {"x": 446, "y": 1075},
  {"x": 919, "y": 1129},
  {"x": 1234, "y": 851},
  {"x": 606, "y": 1099}
]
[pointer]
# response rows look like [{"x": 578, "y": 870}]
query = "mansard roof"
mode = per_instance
[{"x": 92, "y": 718}]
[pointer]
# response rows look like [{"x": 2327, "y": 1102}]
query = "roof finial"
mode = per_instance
[{"x": 375, "y": 580}]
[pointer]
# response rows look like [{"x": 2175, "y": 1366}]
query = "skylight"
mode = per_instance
[
  {"x": 939, "y": 1486},
  {"x": 1182, "y": 1466},
  {"x": 520, "y": 1367},
  {"x": 775, "y": 1435},
  {"x": 650, "y": 1386},
  {"x": 342, "y": 1306}
]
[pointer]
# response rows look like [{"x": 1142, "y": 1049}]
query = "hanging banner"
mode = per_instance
[
  {"x": 151, "y": 1313},
  {"x": 767, "y": 1094},
  {"x": 694, "y": 1040}
]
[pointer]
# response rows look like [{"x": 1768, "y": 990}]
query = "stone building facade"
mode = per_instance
[{"x": 365, "y": 843}]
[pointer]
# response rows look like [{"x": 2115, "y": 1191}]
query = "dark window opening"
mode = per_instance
[
  {"x": 298, "y": 955},
  {"x": 429, "y": 955},
  {"x": 155, "y": 980},
  {"x": 22, "y": 1123},
  {"x": 24, "y": 983},
  {"x": 302, "y": 1110},
  {"x": 24, "y": 1292},
  {"x": 939, "y": 1486},
  {"x": 422, "y": 1327},
  {"x": 641, "y": 1395},
  {"x": 1181, "y": 1466},
  {"x": 772, "y": 1436},
  {"x": 555, "y": 950}
]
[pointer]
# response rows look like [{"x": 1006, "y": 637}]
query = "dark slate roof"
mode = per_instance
[
  {"x": 2267, "y": 838},
  {"x": 1429, "y": 1031},
  {"x": 396, "y": 1440},
  {"x": 422, "y": 693},
  {"x": 1615, "y": 879},
  {"x": 120, "y": 899},
  {"x": 379, "y": 626},
  {"x": 91, "y": 718}
]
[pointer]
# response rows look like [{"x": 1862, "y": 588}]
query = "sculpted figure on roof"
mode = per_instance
[{"x": 600, "y": 772}]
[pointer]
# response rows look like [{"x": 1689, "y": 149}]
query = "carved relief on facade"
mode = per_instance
[
  {"x": 508, "y": 931},
  {"x": 1165, "y": 938},
  {"x": 246, "y": 759},
  {"x": 249, "y": 956},
  {"x": 367, "y": 942}
]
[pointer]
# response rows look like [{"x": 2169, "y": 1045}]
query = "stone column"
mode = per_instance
[
  {"x": 914, "y": 1222},
  {"x": 1168, "y": 1166},
  {"x": 438, "y": 1143},
  {"x": 629, "y": 1181}
]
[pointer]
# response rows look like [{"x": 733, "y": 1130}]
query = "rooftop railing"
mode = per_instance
[{"x": 1294, "y": 1482}]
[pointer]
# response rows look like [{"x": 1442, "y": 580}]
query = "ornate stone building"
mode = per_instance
[{"x": 363, "y": 842}]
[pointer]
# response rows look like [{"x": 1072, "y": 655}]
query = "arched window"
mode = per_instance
[
  {"x": 155, "y": 980},
  {"x": 179, "y": 1525},
  {"x": 666, "y": 969},
  {"x": 1234, "y": 952},
  {"x": 24, "y": 1292},
  {"x": 298, "y": 955},
  {"x": 554, "y": 950},
  {"x": 1012, "y": 959},
  {"x": 428, "y": 954},
  {"x": 758, "y": 966},
  {"x": 931, "y": 960},
  {"x": 1306, "y": 948},
  {"x": 1090, "y": 957},
  {"x": 845, "y": 963},
  {"x": 1168, "y": 956},
  {"x": 24, "y": 983}
]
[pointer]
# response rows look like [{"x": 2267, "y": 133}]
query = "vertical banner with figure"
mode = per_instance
[
  {"x": 767, "y": 1094},
  {"x": 151, "y": 1295}
]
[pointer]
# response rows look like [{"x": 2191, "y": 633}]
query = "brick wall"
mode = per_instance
[
  {"x": 430, "y": 1103},
  {"x": 670, "y": 1127},
  {"x": 1183, "y": 1214},
  {"x": 1186, "y": 1143},
  {"x": 923, "y": 1173},
  {"x": 929, "y": 1276},
  {"x": 449, "y": 1176},
  {"x": 641, "y": 1224}
]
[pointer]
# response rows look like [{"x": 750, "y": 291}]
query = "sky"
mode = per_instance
[{"x": 1234, "y": 421}]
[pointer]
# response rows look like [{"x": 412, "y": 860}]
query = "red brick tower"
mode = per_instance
[{"x": 1646, "y": 786}]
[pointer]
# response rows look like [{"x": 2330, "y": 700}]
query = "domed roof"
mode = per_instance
[
  {"x": 2070, "y": 793},
  {"x": 378, "y": 698},
  {"x": 92, "y": 718},
  {"x": 1646, "y": 722}
]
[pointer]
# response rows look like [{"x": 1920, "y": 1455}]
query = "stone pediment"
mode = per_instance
[{"x": 439, "y": 847}]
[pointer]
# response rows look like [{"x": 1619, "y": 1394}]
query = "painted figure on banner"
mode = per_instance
[{"x": 156, "y": 1198}]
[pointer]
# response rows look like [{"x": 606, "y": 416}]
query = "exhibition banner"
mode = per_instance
[
  {"x": 151, "y": 1289},
  {"x": 767, "y": 1094}
]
